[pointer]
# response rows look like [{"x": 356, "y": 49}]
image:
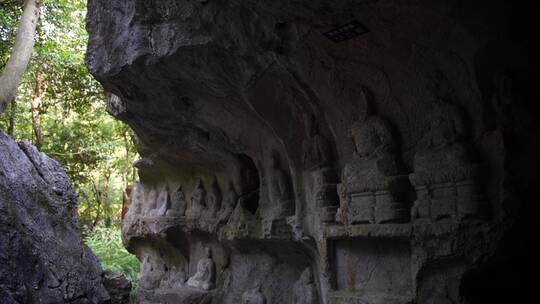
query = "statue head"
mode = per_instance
[
  {"x": 215, "y": 185},
  {"x": 231, "y": 191},
  {"x": 307, "y": 276},
  {"x": 207, "y": 252},
  {"x": 164, "y": 194},
  {"x": 180, "y": 192},
  {"x": 311, "y": 125},
  {"x": 374, "y": 134},
  {"x": 199, "y": 193},
  {"x": 367, "y": 99},
  {"x": 447, "y": 124},
  {"x": 274, "y": 159}
]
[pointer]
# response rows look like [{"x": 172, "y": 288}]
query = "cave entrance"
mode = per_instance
[{"x": 249, "y": 183}]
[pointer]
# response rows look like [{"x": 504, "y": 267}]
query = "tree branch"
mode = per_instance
[{"x": 20, "y": 55}]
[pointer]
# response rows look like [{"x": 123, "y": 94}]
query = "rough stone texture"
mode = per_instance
[
  {"x": 253, "y": 94},
  {"x": 118, "y": 287},
  {"x": 42, "y": 256}
]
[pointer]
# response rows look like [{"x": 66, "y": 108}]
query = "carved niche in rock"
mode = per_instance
[
  {"x": 178, "y": 203},
  {"x": 228, "y": 204},
  {"x": 274, "y": 217},
  {"x": 254, "y": 296},
  {"x": 175, "y": 277},
  {"x": 325, "y": 193},
  {"x": 198, "y": 201},
  {"x": 317, "y": 161},
  {"x": 150, "y": 273},
  {"x": 245, "y": 207},
  {"x": 150, "y": 202},
  {"x": 214, "y": 201},
  {"x": 371, "y": 180},
  {"x": 446, "y": 179},
  {"x": 164, "y": 202},
  {"x": 279, "y": 191},
  {"x": 137, "y": 200},
  {"x": 205, "y": 276},
  {"x": 241, "y": 219},
  {"x": 305, "y": 289},
  {"x": 316, "y": 151}
]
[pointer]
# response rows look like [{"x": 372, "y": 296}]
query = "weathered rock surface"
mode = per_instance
[
  {"x": 42, "y": 256},
  {"x": 118, "y": 287},
  {"x": 381, "y": 163}
]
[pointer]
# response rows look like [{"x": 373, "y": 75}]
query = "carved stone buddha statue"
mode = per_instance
[
  {"x": 198, "y": 201},
  {"x": 150, "y": 202},
  {"x": 178, "y": 203},
  {"x": 319, "y": 175},
  {"x": 254, "y": 296},
  {"x": 137, "y": 200},
  {"x": 228, "y": 204},
  {"x": 446, "y": 178},
  {"x": 164, "y": 202},
  {"x": 206, "y": 272},
  {"x": 305, "y": 290},
  {"x": 371, "y": 180},
  {"x": 373, "y": 158},
  {"x": 316, "y": 151},
  {"x": 279, "y": 190},
  {"x": 214, "y": 200}
]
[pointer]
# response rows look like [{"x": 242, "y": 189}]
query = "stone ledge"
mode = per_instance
[
  {"x": 349, "y": 297},
  {"x": 149, "y": 226},
  {"x": 184, "y": 294},
  {"x": 406, "y": 230}
]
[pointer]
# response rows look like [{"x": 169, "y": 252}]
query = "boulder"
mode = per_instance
[
  {"x": 42, "y": 256},
  {"x": 118, "y": 286}
]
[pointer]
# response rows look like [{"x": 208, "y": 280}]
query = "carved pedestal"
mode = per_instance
[
  {"x": 326, "y": 198},
  {"x": 470, "y": 201},
  {"x": 360, "y": 209},
  {"x": 447, "y": 182},
  {"x": 387, "y": 210},
  {"x": 443, "y": 201},
  {"x": 378, "y": 206},
  {"x": 421, "y": 208},
  {"x": 328, "y": 214},
  {"x": 276, "y": 229},
  {"x": 457, "y": 200}
]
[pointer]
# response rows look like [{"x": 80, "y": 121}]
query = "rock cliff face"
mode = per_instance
[
  {"x": 312, "y": 151},
  {"x": 42, "y": 256}
]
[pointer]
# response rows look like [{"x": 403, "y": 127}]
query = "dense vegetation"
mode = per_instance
[
  {"x": 60, "y": 108},
  {"x": 107, "y": 246}
]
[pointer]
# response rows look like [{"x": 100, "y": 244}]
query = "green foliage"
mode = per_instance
[
  {"x": 106, "y": 243},
  {"x": 94, "y": 148},
  {"x": 10, "y": 12}
]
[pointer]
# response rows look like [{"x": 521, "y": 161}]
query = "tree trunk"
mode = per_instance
[
  {"x": 126, "y": 174},
  {"x": 36, "y": 106},
  {"x": 20, "y": 55},
  {"x": 107, "y": 201},
  {"x": 98, "y": 198},
  {"x": 12, "y": 114},
  {"x": 127, "y": 164}
]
